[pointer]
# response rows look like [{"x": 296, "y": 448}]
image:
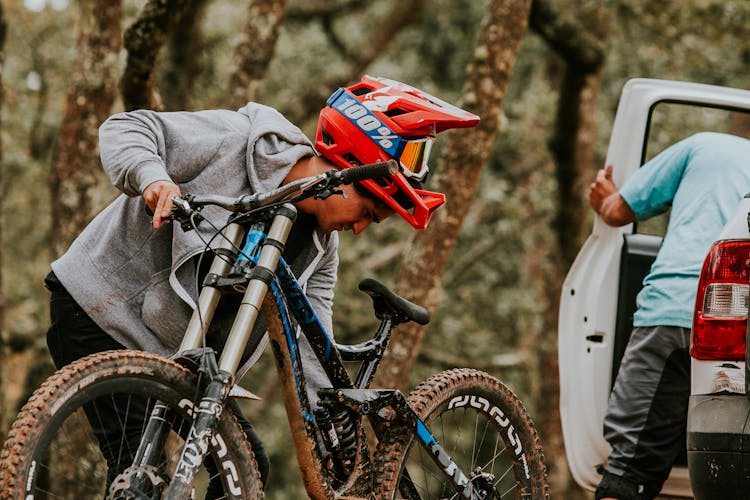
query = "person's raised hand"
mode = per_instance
[
  {"x": 601, "y": 188},
  {"x": 158, "y": 197}
]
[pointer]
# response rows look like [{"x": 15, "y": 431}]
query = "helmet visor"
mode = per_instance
[{"x": 414, "y": 158}]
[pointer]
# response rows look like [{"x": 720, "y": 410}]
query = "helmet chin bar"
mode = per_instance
[{"x": 423, "y": 203}]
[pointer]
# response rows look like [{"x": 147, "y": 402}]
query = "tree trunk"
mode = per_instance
[
  {"x": 182, "y": 62},
  {"x": 143, "y": 40},
  {"x": 41, "y": 135},
  {"x": 76, "y": 171},
  {"x": 580, "y": 43},
  {"x": 3, "y": 347},
  {"x": 253, "y": 54},
  {"x": 429, "y": 251},
  {"x": 573, "y": 150}
]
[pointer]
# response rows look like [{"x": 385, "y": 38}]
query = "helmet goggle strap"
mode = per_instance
[{"x": 414, "y": 157}]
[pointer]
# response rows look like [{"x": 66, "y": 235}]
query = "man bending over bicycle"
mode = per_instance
[{"x": 128, "y": 280}]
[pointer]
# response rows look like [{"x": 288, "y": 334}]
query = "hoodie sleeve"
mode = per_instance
[{"x": 143, "y": 146}]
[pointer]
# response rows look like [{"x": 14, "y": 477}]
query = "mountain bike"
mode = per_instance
[{"x": 459, "y": 434}]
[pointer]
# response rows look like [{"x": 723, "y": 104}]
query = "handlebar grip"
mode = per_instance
[{"x": 371, "y": 171}]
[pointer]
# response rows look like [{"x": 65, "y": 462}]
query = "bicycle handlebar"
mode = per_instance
[
  {"x": 320, "y": 182},
  {"x": 321, "y": 186},
  {"x": 371, "y": 171}
]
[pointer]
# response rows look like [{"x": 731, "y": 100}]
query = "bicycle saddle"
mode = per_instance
[{"x": 388, "y": 303}]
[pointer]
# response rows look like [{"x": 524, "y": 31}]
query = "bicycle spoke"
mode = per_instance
[
  {"x": 507, "y": 492},
  {"x": 424, "y": 469},
  {"x": 495, "y": 453},
  {"x": 123, "y": 436},
  {"x": 46, "y": 467},
  {"x": 474, "y": 442},
  {"x": 428, "y": 473},
  {"x": 47, "y": 494},
  {"x": 461, "y": 408}
]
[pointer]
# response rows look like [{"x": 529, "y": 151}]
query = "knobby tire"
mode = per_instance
[
  {"x": 51, "y": 452},
  {"x": 484, "y": 428}
]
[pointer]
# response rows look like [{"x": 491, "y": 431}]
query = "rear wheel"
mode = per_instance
[
  {"x": 485, "y": 430},
  {"x": 52, "y": 451}
]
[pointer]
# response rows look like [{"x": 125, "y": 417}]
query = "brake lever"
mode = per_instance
[
  {"x": 329, "y": 188},
  {"x": 188, "y": 217},
  {"x": 328, "y": 192}
]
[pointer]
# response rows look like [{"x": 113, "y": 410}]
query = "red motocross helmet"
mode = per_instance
[{"x": 379, "y": 119}]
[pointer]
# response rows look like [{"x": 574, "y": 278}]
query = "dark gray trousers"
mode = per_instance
[{"x": 646, "y": 415}]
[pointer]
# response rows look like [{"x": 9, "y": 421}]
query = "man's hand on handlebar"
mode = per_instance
[{"x": 158, "y": 197}]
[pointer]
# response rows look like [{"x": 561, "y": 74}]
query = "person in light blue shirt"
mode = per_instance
[{"x": 701, "y": 179}]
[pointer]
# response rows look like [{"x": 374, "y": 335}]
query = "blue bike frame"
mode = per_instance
[{"x": 288, "y": 296}]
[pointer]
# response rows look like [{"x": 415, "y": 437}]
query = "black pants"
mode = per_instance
[{"x": 74, "y": 335}]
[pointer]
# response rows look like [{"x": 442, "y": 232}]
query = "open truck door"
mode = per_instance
[{"x": 598, "y": 296}]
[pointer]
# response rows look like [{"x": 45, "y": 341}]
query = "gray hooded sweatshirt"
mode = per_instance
[{"x": 137, "y": 283}]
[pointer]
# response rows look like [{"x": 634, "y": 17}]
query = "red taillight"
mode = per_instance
[{"x": 721, "y": 304}]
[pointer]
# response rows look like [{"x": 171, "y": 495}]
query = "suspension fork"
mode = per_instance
[
  {"x": 156, "y": 430},
  {"x": 205, "y": 417},
  {"x": 209, "y": 296},
  {"x": 209, "y": 410},
  {"x": 150, "y": 447}
]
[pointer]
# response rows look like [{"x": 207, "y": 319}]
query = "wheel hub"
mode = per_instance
[
  {"x": 137, "y": 483},
  {"x": 483, "y": 484}
]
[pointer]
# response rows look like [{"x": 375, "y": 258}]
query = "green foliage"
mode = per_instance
[{"x": 35, "y": 80}]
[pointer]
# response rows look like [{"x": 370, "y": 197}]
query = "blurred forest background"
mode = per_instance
[{"x": 544, "y": 75}]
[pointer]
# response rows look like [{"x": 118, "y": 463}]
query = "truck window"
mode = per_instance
[{"x": 671, "y": 122}]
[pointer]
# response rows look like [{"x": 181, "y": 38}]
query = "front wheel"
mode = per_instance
[
  {"x": 484, "y": 428},
  {"x": 53, "y": 451}
]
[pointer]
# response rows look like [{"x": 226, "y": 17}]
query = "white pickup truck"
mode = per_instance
[{"x": 598, "y": 301}]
